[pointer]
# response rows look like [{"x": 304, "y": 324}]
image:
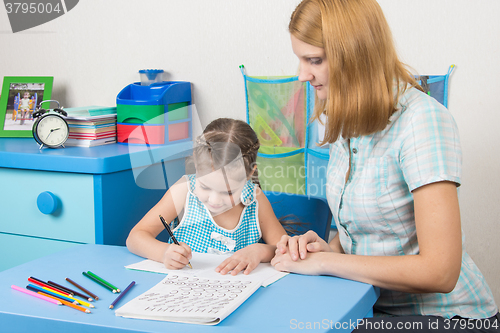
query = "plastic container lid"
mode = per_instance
[{"x": 149, "y": 76}]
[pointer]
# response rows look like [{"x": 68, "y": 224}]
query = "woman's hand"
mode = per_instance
[
  {"x": 312, "y": 265},
  {"x": 244, "y": 260},
  {"x": 177, "y": 256},
  {"x": 300, "y": 245}
]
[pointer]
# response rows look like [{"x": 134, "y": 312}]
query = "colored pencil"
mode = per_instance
[
  {"x": 35, "y": 280},
  {"x": 68, "y": 298},
  {"x": 58, "y": 287},
  {"x": 103, "y": 281},
  {"x": 82, "y": 289},
  {"x": 32, "y": 293},
  {"x": 45, "y": 291},
  {"x": 83, "y": 303},
  {"x": 71, "y": 291},
  {"x": 46, "y": 285},
  {"x": 99, "y": 282},
  {"x": 76, "y": 301},
  {"x": 171, "y": 234},
  {"x": 74, "y": 306},
  {"x": 121, "y": 294},
  {"x": 36, "y": 289}
]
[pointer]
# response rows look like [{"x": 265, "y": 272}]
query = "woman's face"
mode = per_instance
[{"x": 313, "y": 66}]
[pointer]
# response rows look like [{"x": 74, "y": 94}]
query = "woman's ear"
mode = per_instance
[{"x": 252, "y": 172}]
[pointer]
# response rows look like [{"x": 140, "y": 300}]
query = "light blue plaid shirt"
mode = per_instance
[
  {"x": 198, "y": 229},
  {"x": 374, "y": 210}
]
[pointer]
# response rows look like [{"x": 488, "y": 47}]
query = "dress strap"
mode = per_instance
[{"x": 248, "y": 193}]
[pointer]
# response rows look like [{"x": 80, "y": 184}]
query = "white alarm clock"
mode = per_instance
[{"x": 50, "y": 128}]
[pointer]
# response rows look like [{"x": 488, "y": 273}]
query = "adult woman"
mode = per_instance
[{"x": 395, "y": 165}]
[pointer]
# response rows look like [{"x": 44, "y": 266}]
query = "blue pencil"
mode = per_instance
[
  {"x": 121, "y": 294},
  {"x": 37, "y": 289}
]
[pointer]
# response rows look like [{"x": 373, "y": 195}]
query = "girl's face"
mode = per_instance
[
  {"x": 313, "y": 66},
  {"x": 26, "y": 95},
  {"x": 220, "y": 190}
]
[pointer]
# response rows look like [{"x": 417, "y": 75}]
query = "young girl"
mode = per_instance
[{"x": 223, "y": 210}]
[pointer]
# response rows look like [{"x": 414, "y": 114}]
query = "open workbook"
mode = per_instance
[
  {"x": 198, "y": 295},
  {"x": 204, "y": 265},
  {"x": 190, "y": 299}
]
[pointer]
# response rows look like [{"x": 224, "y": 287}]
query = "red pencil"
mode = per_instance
[{"x": 44, "y": 284}]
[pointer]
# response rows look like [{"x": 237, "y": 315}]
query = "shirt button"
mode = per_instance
[{"x": 354, "y": 150}]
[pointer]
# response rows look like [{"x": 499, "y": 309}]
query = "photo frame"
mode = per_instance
[{"x": 20, "y": 97}]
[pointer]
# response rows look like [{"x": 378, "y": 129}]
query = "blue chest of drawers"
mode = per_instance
[{"x": 98, "y": 194}]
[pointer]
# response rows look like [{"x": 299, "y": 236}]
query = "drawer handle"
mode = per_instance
[{"x": 47, "y": 202}]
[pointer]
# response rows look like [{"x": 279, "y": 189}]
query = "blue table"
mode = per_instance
[{"x": 293, "y": 303}]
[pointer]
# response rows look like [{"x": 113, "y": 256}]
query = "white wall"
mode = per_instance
[{"x": 97, "y": 48}]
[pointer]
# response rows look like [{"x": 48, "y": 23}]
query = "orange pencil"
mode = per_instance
[{"x": 77, "y": 307}]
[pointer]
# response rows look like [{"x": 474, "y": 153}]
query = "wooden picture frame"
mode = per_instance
[{"x": 20, "y": 97}]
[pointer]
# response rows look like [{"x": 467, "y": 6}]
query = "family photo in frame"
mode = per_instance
[{"x": 19, "y": 99}]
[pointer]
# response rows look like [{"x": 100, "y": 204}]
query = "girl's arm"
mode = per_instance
[
  {"x": 435, "y": 269},
  {"x": 249, "y": 257},
  {"x": 271, "y": 228},
  {"x": 142, "y": 238}
]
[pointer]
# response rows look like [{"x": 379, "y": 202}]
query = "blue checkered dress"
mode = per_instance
[
  {"x": 197, "y": 225},
  {"x": 374, "y": 210}
]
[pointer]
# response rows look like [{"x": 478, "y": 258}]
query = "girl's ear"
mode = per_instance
[{"x": 251, "y": 173}]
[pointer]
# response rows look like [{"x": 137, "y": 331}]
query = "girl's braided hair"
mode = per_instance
[{"x": 223, "y": 140}]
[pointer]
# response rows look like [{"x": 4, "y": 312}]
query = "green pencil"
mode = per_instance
[
  {"x": 100, "y": 281},
  {"x": 104, "y": 281}
]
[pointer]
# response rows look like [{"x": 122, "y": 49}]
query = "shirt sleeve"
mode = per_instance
[{"x": 431, "y": 150}]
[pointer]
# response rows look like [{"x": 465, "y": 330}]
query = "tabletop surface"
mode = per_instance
[
  {"x": 291, "y": 303},
  {"x": 24, "y": 153}
]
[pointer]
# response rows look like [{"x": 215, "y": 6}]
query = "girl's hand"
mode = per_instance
[
  {"x": 308, "y": 242},
  {"x": 244, "y": 260},
  {"x": 177, "y": 256}
]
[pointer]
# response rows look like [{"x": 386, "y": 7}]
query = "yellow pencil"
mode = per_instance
[{"x": 76, "y": 300}]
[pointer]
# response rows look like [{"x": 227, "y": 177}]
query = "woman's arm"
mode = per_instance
[
  {"x": 435, "y": 269},
  {"x": 142, "y": 238},
  {"x": 335, "y": 244},
  {"x": 249, "y": 257}
]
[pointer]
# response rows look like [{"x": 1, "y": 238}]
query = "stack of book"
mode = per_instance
[{"x": 91, "y": 126}]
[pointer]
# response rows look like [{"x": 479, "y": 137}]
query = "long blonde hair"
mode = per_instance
[{"x": 366, "y": 77}]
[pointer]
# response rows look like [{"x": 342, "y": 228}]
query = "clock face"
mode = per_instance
[{"x": 52, "y": 130}]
